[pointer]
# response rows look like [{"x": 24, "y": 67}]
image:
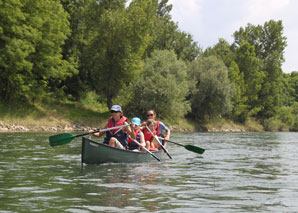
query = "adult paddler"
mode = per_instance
[
  {"x": 117, "y": 137},
  {"x": 160, "y": 126}
]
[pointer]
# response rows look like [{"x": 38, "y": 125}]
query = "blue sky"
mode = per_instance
[{"x": 209, "y": 20}]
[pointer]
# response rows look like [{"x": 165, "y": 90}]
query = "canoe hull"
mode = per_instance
[{"x": 96, "y": 153}]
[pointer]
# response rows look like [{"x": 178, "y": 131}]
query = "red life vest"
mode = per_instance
[
  {"x": 119, "y": 134},
  {"x": 137, "y": 136},
  {"x": 148, "y": 136},
  {"x": 157, "y": 128},
  {"x": 121, "y": 122}
]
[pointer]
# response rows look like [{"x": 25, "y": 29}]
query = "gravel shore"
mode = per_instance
[
  {"x": 20, "y": 128},
  {"x": 77, "y": 128}
]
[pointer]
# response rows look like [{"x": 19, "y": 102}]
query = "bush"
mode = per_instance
[
  {"x": 162, "y": 86},
  {"x": 274, "y": 124},
  {"x": 286, "y": 116},
  {"x": 211, "y": 90}
]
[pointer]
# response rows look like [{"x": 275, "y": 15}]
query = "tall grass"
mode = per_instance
[{"x": 86, "y": 112}]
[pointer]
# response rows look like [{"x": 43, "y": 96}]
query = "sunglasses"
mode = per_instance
[
  {"x": 149, "y": 115},
  {"x": 112, "y": 111}
]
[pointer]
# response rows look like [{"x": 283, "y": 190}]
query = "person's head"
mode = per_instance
[
  {"x": 136, "y": 121},
  {"x": 151, "y": 124},
  {"x": 151, "y": 114},
  {"x": 116, "y": 111}
]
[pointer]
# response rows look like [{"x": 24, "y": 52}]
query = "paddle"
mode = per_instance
[
  {"x": 163, "y": 148},
  {"x": 189, "y": 147},
  {"x": 60, "y": 139},
  {"x": 146, "y": 149}
]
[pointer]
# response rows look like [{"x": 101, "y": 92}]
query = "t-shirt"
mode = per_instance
[{"x": 162, "y": 127}]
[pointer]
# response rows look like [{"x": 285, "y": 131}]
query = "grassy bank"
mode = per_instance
[
  {"x": 96, "y": 115},
  {"x": 49, "y": 115}
]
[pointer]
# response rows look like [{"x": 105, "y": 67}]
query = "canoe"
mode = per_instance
[{"x": 95, "y": 153}]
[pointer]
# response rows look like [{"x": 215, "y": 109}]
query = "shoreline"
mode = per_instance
[
  {"x": 58, "y": 128},
  {"x": 10, "y": 128}
]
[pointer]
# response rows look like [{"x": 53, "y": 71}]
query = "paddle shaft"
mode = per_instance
[
  {"x": 163, "y": 148},
  {"x": 192, "y": 148},
  {"x": 65, "y": 138},
  {"x": 173, "y": 142},
  {"x": 146, "y": 149},
  {"x": 104, "y": 130}
]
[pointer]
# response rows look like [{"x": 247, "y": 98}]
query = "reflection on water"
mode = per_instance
[{"x": 239, "y": 172}]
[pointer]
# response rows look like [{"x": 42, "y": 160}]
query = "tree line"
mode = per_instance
[{"x": 132, "y": 53}]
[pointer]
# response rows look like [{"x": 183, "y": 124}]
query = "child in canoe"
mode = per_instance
[
  {"x": 137, "y": 144},
  {"x": 151, "y": 142}
]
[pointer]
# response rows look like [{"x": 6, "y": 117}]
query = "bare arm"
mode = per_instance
[
  {"x": 142, "y": 126},
  {"x": 167, "y": 138},
  {"x": 142, "y": 139},
  {"x": 130, "y": 130},
  {"x": 97, "y": 134}
]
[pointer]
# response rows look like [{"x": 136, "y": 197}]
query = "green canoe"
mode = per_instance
[{"x": 95, "y": 153}]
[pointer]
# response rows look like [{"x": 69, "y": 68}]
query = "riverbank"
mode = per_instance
[
  {"x": 76, "y": 117},
  {"x": 182, "y": 126}
]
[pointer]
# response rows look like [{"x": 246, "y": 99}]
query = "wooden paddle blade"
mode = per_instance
[
  {"x": 56, "y": 140},
  {"x": 195, "y": 149}
]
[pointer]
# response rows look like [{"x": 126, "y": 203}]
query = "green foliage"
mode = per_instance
[
  {"x": 221, "y": 50},
  {"x": 286, "y": 119},
  {"x": 293, "y": 84},
  {"x": 295, "y": 115},
  {"x": 32, "y": 33},
  {"x": 162, "y": 86},
  {"x": 224, "y": 51},
  {"x": 273, "y": 124},
  {"x": 287, "y": 91},
  {"x": 94, "y": 102},
  {"x": 167, "y": 36},
  {"x": 269, "y": 45},
  {"x": 94, "y": 52},
  {"x": 286, "y": 116},
  {"x": 249, "y": 66},
  {"x": 115, "y": 49},
  {"x": 211, "y": 91}
]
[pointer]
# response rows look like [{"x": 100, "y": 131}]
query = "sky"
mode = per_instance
[{"x": 209, "y": 20}]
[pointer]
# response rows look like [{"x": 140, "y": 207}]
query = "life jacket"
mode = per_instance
[
  {"x": 159, "y": 134},
  {"x": 148, "y": 136},
  {"x": 157, "y": 128},
  {"x": 131, "y": 144},
  {"x": 119, "y": 134}
]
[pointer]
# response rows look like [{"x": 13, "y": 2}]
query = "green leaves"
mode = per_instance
[
  {"x": 32, "y": 34},
  {"x": 162, "y": 85},
  {"x": 268, "y": 45},
  {"x": 212, "y": 93},
  {"x": 116, "y": 48}
]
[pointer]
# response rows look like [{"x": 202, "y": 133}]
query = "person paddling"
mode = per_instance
[
  {"x": 117, "y": 137},
  {"x": 151, "y": 142},
  {"x": 132, "y": 145},
  {"x": 160, "y": 126}
]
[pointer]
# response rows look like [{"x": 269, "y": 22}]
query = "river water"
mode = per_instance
[{"x": 239, "y": 172}]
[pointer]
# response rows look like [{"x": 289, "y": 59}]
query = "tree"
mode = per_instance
[
  {"x": 115, "y": 49},
  {"x": 249, "y": 65},
  {"x": 166, "y": 35},
  {"x": 222, "y": 50},
  {"x": 32, "y": 33},
  {"x": 211, "y": 90},
  {"x": 294, "y": 85},
  {"x": 162, "y": 86},
  {"x": 269, "y": 44},
  {"x": 225, "y": 52}
]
